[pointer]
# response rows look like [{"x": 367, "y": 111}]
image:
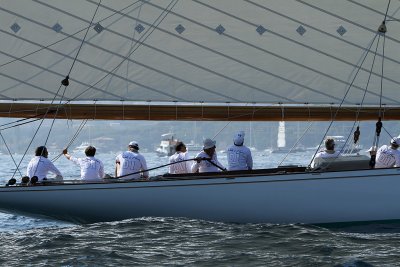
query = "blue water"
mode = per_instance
[{"x": 185, "y": 242}]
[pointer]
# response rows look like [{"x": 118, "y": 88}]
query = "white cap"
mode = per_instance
[
  {"x": 238, "y": 139},
  {"x": 395, "y": 140},
  {"x": 134, "y": 144},
  {"x": 208, "y": 143}
]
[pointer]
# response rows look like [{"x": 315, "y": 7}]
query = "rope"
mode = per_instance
[
  {"x": 84, "y": 37},
  {"x": 301, "y": 137},
  {"x": 379, "y": 122},
  {"x": 165, "y": 165},
  {"x": 147, "y": 34},
  {"x": 80, "y": 128},
  {"x": 344, "y": 97}
]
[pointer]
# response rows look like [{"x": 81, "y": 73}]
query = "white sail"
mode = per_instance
[
  {"x": 281, "y": 142},
  {"x": 288, "y": 52}
]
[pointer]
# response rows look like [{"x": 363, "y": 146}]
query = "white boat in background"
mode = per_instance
[
  {"x": 224, "y": 60},
  {"x": 167, "y": 145}
]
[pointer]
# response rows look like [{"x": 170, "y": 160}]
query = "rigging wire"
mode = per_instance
[
  {"x": 363, "y": 98},
  {"x": 31, "y": 117},
  {"x": 169, "y": 164},
  {"x": 65, "y": 82},
  {"x": 296, "y": 143},
  {"x": 131, "y": 52},
  {"x": 147, "y": 34},
  {"x": 381, "y": 31},
  {"x": 17, "y": 125},
  {"x": 80, "y": 128},
  {"x": 9, "y": 152},
  {"x": 54, "y": 117},
  {"x": 344, "y": 97},
  {"x": 84, "y": 38}
]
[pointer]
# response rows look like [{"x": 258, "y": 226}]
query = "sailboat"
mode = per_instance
[
  {"x": 290, "y": 60},
  {"x": 281, "y": 142}
]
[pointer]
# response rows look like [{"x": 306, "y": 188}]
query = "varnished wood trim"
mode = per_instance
[{"x": 194, "y": 112}]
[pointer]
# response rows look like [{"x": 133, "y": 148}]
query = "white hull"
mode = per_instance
[{"x": 347, "y": 196}]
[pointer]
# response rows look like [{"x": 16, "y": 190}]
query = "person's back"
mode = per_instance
[
  {"x": 40, "y": 165},
  {"x": 92, "y": 169},
  {"x": 329, "y": 152},
  {"x": 388, "y": 156},
  {"x": 209, "y": 153},
  {"x": 239, "y": 156},
  {"x": 206, "y": 165},
  {"x": 131, "y": 162},
  {"x": 179, "y": 161}
]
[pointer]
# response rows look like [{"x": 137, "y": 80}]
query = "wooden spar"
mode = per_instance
[{"x": 183, "y": 112}]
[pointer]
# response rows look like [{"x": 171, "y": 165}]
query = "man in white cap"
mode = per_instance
[
  {"x": 210, "y": 165},
  {"x": 239, "y": 156},
  {"x": 179, "y": 161},
  {"x": 131, "y": 162},
  {"x": 388, "y": 156}
]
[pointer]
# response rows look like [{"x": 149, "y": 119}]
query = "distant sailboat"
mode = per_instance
[{"x": 281, "y": 141}]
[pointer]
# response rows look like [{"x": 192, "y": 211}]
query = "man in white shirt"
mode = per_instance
[
  {"x": 177, "y": 166},
  {"x": 239, "y": 156},
  {"x": 208, "y": 152},
  {"x": 40, "y": 165},
  {"x": 130, "y": 162},
  {"x": 329, "y": 152},
  {"x": 388, "y": 156},
  {"x": 92, "y": 169}
]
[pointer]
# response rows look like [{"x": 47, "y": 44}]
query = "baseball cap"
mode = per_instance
[
  {"x": 208, "y": 143},
  {"x": 395, "y": 140},
  {"x": 238, "y": 138},
  {"x": 134, "y": 144}
]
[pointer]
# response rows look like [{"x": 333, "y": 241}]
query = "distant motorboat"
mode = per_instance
[{"x": 167, "y": 145}]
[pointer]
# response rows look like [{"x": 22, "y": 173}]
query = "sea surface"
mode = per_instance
[{"x": 151, "y": 241}]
